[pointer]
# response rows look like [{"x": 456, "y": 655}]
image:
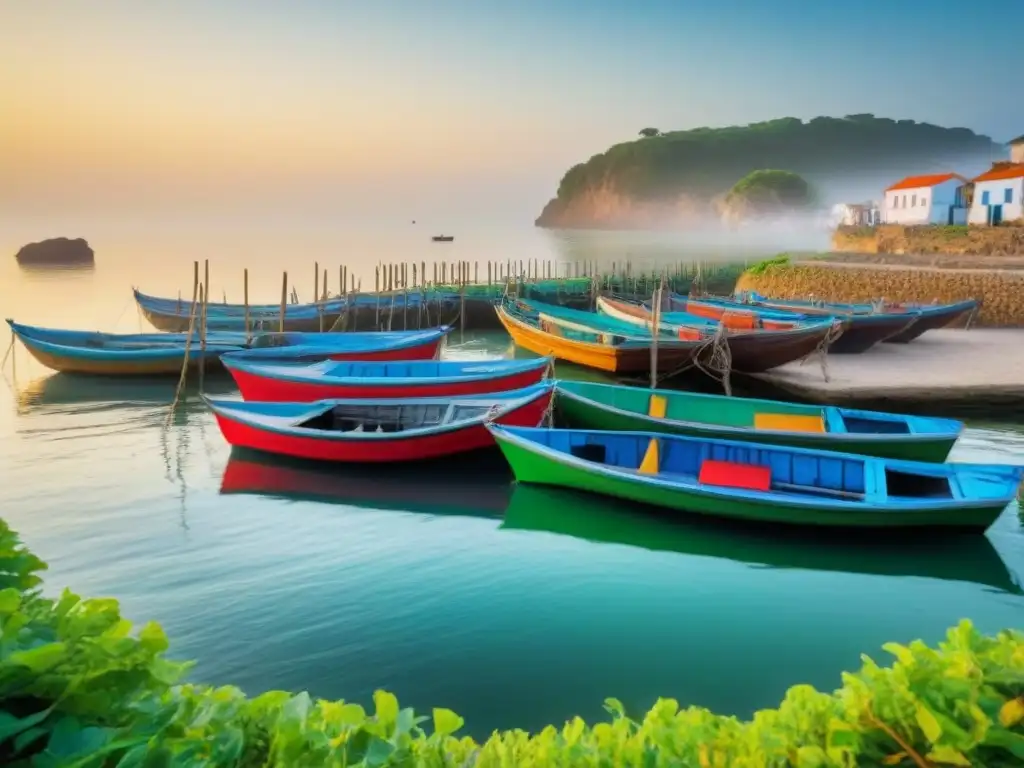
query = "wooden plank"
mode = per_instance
[{"x": 652, "y": 459}]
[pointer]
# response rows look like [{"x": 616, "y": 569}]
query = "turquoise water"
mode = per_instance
[{"x": 513, "y": 607}]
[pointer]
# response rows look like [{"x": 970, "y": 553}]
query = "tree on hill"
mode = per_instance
[
  {"x": 649, "y": 133},
  {"x": 768, "y": 192},
  {"x": 703, "y": 164}
]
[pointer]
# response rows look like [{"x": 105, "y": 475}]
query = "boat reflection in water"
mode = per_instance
[
  {"x": 968, "y": 558},
  {"x": 67, "y": 389},
  {"x": 478, "y": 486}
]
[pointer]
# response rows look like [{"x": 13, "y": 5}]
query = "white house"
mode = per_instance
[
  {"x": 855, "y": 215},
  {"x": 1017, "y": 150},
  {"x": 997, "y": 194},
  {"x": 934, "y": 199}
]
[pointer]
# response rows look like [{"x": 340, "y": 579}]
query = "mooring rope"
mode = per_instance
[
  {"x": 830, "y": 338},
  {"x": 10, "y": 349},
  {"x": 185, "y": 362}
]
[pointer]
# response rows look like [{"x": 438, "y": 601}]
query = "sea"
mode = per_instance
[{"x": 451, "y": 587}]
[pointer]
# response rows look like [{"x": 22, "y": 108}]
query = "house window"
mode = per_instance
[
  {"x": 1008, "y": 195},
  {"x": 984, "y": 198},
  {"x": 904, "y": 201},
  {"x": 913, "y": 201},
  {"x": 924, "y": 201}
]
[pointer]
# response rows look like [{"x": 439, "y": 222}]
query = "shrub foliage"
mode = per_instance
[{"x": 79, "y": 688}]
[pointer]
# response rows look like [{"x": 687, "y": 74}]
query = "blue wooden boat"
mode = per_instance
[
  {"x": 726, "y": 478},
  {"x": 417, "y": 378},
  {"x": 173, "y": 315},
  {"x": 926, "y": 317},
  {"x": 164, "y": 353},
  {"x": 861, "y": 331}
]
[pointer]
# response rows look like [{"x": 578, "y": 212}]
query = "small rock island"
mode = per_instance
[{"x": 57, "y": 251}]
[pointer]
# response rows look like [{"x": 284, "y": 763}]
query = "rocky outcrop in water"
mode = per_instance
[{"x": 56, "y": 251}]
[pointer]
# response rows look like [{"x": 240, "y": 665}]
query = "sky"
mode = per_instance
[{"x": 109, "y": 103}]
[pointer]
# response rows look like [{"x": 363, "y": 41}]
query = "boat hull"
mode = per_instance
[
  {"x": 472, "y": 437},
  {"x": 929, "y": 321},
  {"x": 539, "y": 468},
  {"x": 165, "y": 363},
  {"x": 254, "y": 386},
  {"x": 860, "y": 332},
  {"x": 753, "y": 351},
  {"x": 582, "y": 413},
  {"x": 603, "y": 357}
]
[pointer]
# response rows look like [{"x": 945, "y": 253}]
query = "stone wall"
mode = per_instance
[
  {"x": 895, "y": 238},
  {"x": 1000, "y": 291}
]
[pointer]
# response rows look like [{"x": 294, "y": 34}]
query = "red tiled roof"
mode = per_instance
[
  {"x": 916, "y": 182},
  {"x": 1002, "y": 172}
]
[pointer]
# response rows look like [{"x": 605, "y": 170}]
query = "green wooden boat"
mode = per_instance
[
  {"x": 726, "y": 478},
  {"x": 589, "y": 405}
]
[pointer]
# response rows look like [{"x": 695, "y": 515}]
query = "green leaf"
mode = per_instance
[
  {"x": 152, "y": 638},
  {"x": 12, "y": 726},
  {"x": 40, "y": 658},
  {"x": 948, "y": 756},
  {"x": 614, "y": 708},
  {"x": 1012, "y": 712},
  {"x": 386, "y": 706},
  {"x": 446, "y": 722},
  {"x": 928, "y": 723},
  {"x": 69, "y": 738},
  {"x": 378, "y": 752},
  {"x": 10, "y": 600}
]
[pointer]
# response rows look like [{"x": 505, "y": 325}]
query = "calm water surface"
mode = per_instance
[{"x": 513, "y": 607}]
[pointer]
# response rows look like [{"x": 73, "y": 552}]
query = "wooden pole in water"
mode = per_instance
[
  {"x": 655, "y": 327},
  {"x": 203, "y": 299},
  {"x": 316, "y": 281},
  {"x": 245, "y": 296},
  {"x": 284, "y": 301}
]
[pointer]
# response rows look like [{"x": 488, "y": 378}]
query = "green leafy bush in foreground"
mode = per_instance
[{"x": 77, "y": 688}]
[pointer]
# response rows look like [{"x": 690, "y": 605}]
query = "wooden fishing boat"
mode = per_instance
[
  {"x": 778, "y": 484},
  {"x": 930, "y": 317},
  {"x": 589, "y": 405},
  {"x": 349, "y": 345},
  {"x": 418, "y": 378},
  {"x": 419, "y": 488},
  {"x": 860, "y": 331},
  {"x": 175, "y": 315},
  {"x": 593, "y": 348},
  {"x": 443, "y": 238},
  {"x": 752, "y": 350},
  {"x": 145, "y": 354},
  {"x": 608, "y": 521},
  {"x": 378, "y": 430},
  {"x": 111, "y": 354}
]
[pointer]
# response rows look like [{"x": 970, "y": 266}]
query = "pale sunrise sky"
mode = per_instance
[{"x": 117, "y": 102}]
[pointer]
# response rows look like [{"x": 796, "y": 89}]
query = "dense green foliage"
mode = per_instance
[
  {"x": 706, "y": 162},
  {"x": 769, "y": 192},
  {"x": 77, "y": 688},
  {"x": 779, "y": 260}
]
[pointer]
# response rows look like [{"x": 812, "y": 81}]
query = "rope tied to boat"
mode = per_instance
[
  {"x": 10, "y": 349},
  {"x": 719, "y": 361},
  {"x": 830, "y": 338}
]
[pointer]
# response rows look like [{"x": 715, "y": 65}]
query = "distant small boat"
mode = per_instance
[
  {"x": 378, "y": 431},
  {"x": 443, "y": 238},
  {"x": 725, "y": 478},
  {"x": 329, "y": 379}
]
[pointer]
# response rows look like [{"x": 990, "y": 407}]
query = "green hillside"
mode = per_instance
[{"x": 861, "y": 151}]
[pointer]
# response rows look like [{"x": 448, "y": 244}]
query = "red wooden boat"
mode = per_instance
[
  {"x": 347, "y": 379},
  {"x": 268, "y": 347},
  {"x": 379, "y": 430}
]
